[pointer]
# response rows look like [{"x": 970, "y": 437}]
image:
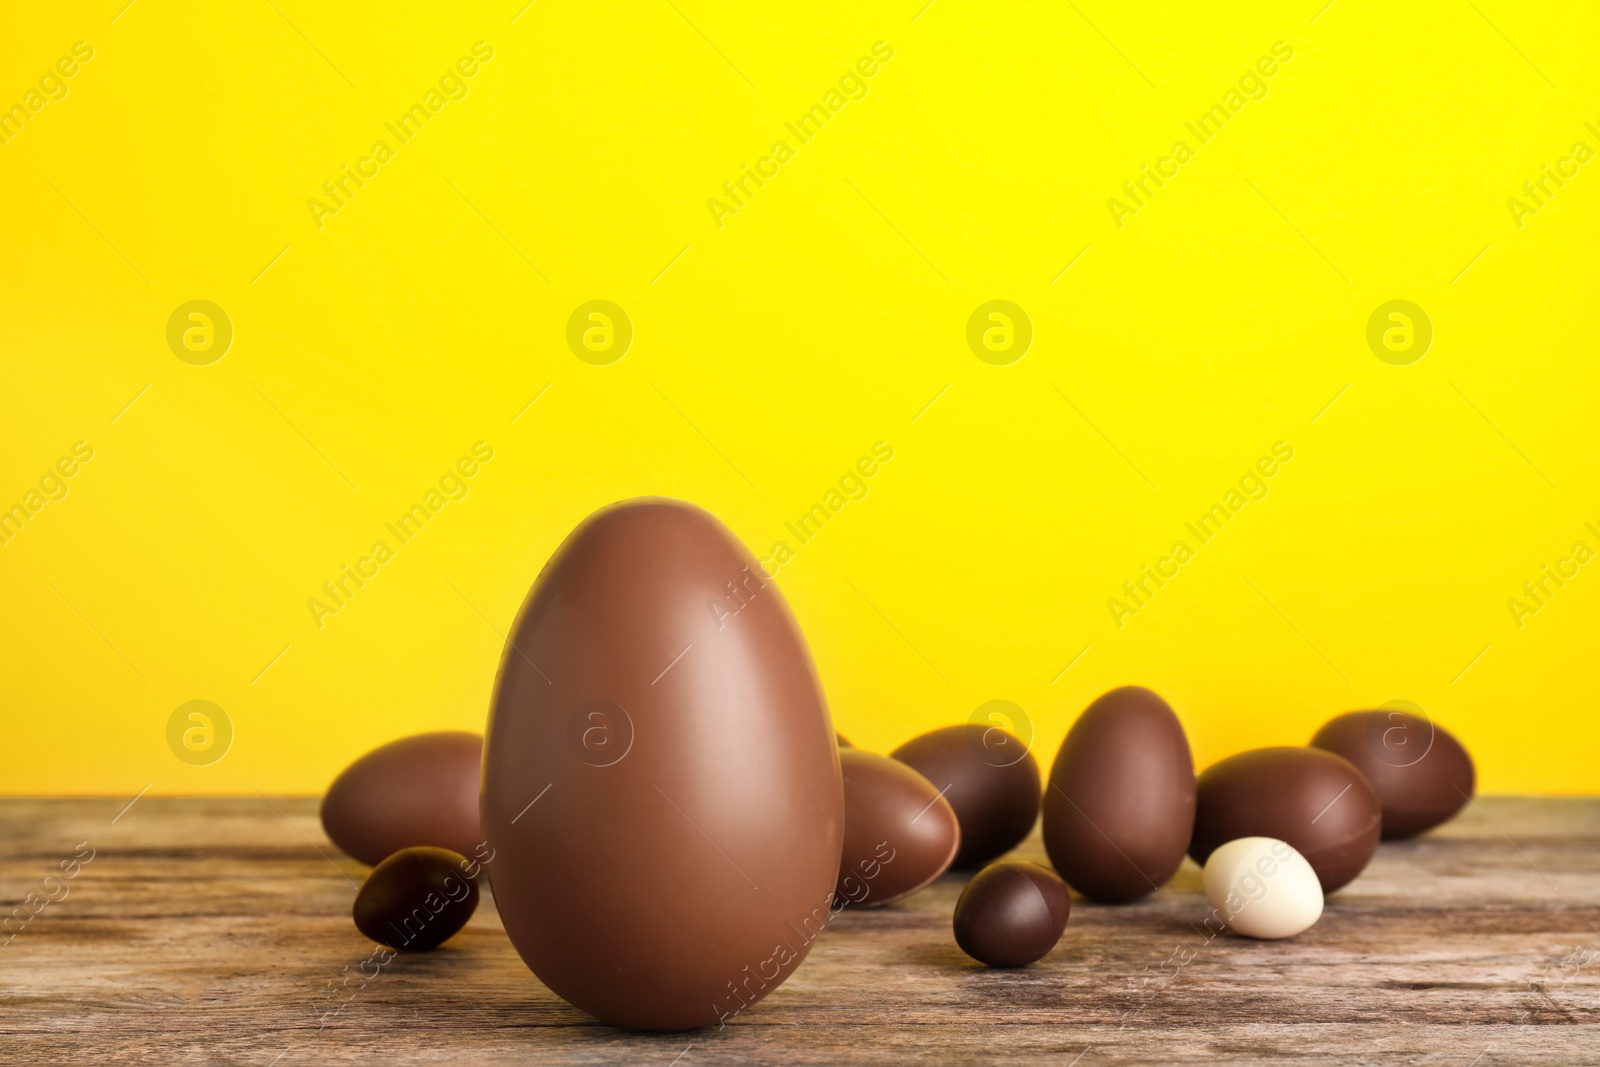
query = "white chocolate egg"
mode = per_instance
[{"x": 1263, "y": 888}]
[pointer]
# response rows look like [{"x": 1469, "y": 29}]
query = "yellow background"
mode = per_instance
[{"x": 821, "y": 318}]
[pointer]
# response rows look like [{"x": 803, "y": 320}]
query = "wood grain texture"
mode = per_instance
[{"x": 219, "y": 931}]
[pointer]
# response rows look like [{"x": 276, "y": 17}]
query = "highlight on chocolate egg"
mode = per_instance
[
  {"x": 1011, "y": 914},
  {"x": 1319, "y": 803},
  {"x": 988, "y": 778},
  {"x": 693, "y": 533},
  {"x": 1120, "y": 806},
  {"x": 1420, "y": 772},
  {"x": 640, "y": 869},
  {"x": 419, "y": 790}
]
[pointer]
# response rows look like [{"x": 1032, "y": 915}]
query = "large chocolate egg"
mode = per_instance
[
  {"x": 1316, "y": 802},
  {"x": 1421, "y": 774},
  {"x": 660, "y": 781},
  {"x": 1121, "y": 800},
  {"x": 989, "y": 778},
  {"x": 420, "y": 790},
  {"x": 899, "y": 833}
]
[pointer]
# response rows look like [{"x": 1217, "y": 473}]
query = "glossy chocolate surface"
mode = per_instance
[
  {"x": 1420, "y": 772},
  {"x": 417, "y": 899},
  {"x": 419, "y": 790},
  {"x": 661, "y": 778},
  {"x": 1011, "y": 914},
  {"x": 899, "y": 833},
  {"x": 1316, "y": 801},
  {"x": 1120, "y": 805},
  {"x": 989, "y": 779}
]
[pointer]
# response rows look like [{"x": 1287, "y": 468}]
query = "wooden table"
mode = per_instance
[{"x": 218, "y": 931}]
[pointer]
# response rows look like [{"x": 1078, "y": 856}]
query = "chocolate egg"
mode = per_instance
[
  {"x": 899, "y": 833},
  {"x": 1011, "y": 914},
  {"x": 417, "y": 899},
  {"x": 661, "y": 783},
  {"x": 1262, "y": 888},
  {"x": 1315, "y": 801},
  {"x": 1421, "y": 774},
  {"x": 990, "y": 780},
  {"x": 1121, "y": 800},
  {"x": 420, "y": 790}
]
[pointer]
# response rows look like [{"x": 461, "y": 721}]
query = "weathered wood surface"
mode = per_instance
[{"x": 218, "y": 931}]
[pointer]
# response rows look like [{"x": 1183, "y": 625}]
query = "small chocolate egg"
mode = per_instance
[
  {"x": 417, "y": 899},
  {"x": 1421, "y": 774},
  {"x": 1262, "y": 888},
  {"x": 1317, "y": 802},
  {"x": 1011, "y": 914},
  {"x": 1121, "y": 800},
  {"x": 990, "y": 780},
  {"x": 899, "y": 833},
  {"x": 419, "y": 790}
]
